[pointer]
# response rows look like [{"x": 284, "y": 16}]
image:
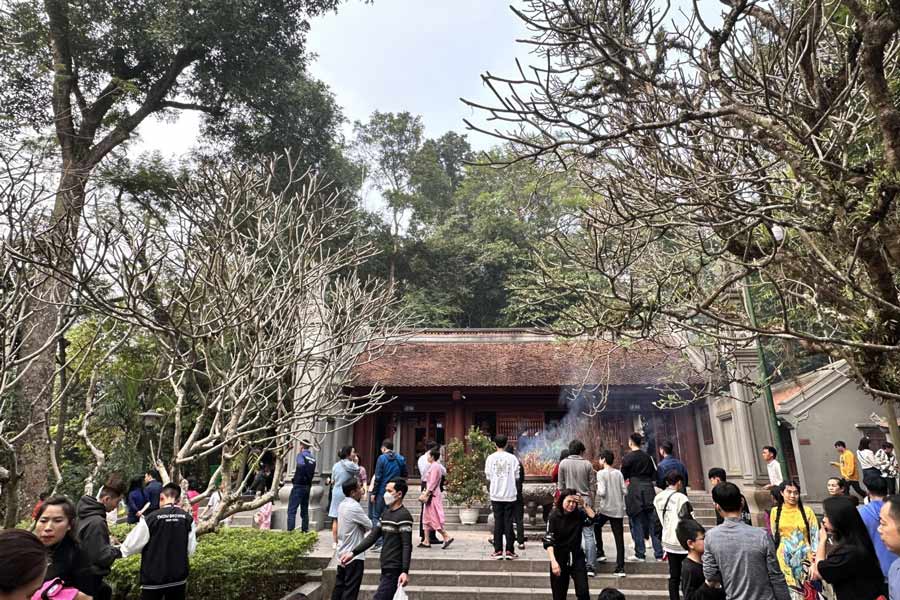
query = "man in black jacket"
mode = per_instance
[
  {"x": 166, "y": 539},
  {"x": 395, "y": 526},
  {"x": 640, "y": 473},
  {"x": 93, "y": 537}
]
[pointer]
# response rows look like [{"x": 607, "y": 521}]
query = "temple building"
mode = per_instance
[{"x": 537, "y": 390}]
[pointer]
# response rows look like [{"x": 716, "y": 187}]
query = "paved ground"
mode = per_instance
[{"x": 473, "y": 543}]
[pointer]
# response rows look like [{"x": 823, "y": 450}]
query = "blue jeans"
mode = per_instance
[
  {"x": 641, "y": 524},
  {"x": 299, "y": 498},
  {"x": 375, "y": 510},
  {"x": 588, "y": 541}
]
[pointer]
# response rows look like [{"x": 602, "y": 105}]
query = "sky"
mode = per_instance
[{"x": 419, "y": 56}]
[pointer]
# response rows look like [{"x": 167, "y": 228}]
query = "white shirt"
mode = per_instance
[
  {"x": 866, "y": 459},
  {"x": 140, "y": 536},
  {"x": 502, "y": 471},
  {"x": 423, "y": 463},
  {"x": 774, "y": 468}
]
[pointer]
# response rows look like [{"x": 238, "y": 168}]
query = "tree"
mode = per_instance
[
  {"x": 258, "y": 317},
  {"x": 759, "y": 150},
  {"x": 388, "y": 145},
  {"x": 94, "y": 72}
]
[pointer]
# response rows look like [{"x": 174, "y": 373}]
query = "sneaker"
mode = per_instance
[
  {"x": 591, "y": 572},
  {"x": 619, "y": 573},
  {"x": 601, "y": 559},
  {"x": 497, "y": 556},
  {"x": 522, "y": 546},
  {"x": 635, "y": 558},
  {"x": 511, "y": 556}
]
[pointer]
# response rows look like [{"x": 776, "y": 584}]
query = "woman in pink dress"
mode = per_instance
[{"x": 433, "y": 512}]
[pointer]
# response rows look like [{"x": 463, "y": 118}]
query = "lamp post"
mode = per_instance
[{"x": 778, "y": 234}]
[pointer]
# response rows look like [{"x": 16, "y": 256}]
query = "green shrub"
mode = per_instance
[
  {"x": 231, "y": 564},
  {"x": 466, "y": 483}
]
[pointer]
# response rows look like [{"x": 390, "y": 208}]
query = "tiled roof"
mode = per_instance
[{"x": 424, "y": 363}]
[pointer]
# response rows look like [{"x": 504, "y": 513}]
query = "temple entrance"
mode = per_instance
[{"x": 415, "y": 428}]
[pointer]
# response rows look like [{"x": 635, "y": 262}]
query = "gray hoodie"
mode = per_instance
[{"x": 577, "y": 473}]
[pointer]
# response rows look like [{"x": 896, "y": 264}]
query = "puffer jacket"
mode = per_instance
[{"x": 671, "y": 507}]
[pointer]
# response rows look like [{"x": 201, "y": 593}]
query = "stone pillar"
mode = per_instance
[{"x": 749, "y": 439}]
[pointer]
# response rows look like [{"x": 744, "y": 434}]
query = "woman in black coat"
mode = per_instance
[
  {"x": 563, "y": 545},
  {"x": 55, "y": 527},
  {"x": 850, "y": 565}
]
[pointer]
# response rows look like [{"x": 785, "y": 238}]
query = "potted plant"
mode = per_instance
[{"x": 466, "y": 483}]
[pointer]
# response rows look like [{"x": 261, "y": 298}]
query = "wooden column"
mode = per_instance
[
  {"x": 364, "y": 442},
  {"x": 689, "y": 443},
  {"x": 456, "y": 419}
]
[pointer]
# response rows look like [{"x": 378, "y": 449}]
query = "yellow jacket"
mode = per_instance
[{"x": 848, "y": 467}]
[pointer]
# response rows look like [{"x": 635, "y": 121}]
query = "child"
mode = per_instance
[
  {"x": 166, "y": 539},
  {"x": 610, "y": 594},
  {"x": 690, "y": 535}
]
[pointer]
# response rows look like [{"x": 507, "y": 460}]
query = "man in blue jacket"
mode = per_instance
[
  {"x": 388, "y": 467},
  {"x": 669, "y": 463},
  {"x": 877, "y": 489},
  {"x": 302, "y": 481}
]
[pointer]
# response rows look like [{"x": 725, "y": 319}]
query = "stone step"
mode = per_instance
[
  {"x": 486, "y": 564},
  {"x": 506, "y": 579},
  {"x": 419, "y": 592}
]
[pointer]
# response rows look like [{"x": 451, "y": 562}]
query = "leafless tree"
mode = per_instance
[
  {"x": 250, "y": 287},
  {"x": 757, "y": 147},
  {"x": 26, "y": 263}
]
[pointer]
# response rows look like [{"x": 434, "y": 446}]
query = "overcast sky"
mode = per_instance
[{"x": 394, "y": 55}]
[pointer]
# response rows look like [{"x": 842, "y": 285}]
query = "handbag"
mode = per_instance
[{"x": 55, "y": 589}]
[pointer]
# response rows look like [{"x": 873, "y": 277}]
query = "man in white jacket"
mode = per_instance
[
  {"x": 502, "y": 471},
  {"x": 672, "y": 506}
]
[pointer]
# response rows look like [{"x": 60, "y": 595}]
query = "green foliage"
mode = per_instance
[
  {"x": 239, "y": 53},
  {"x": 230, "y": 563},
  {"x": 466, "y": 482}
]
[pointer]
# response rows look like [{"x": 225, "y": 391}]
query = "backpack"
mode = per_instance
[{"x": 404, "y": 470}]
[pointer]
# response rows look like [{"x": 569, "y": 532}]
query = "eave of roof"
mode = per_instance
[{"x": 523, "y": 359}]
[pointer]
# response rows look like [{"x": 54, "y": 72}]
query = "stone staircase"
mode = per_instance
[
  {"x": 486, "y": 579},
  {"x": 465, "y": 571}
]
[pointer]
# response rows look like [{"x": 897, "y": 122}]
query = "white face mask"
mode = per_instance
[{"x": 389, "y": 498}]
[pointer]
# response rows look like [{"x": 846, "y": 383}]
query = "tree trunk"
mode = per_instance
[
  {"x": 893, "y": 428},
  {"x": 63, "y": 399},
  {"x": 35, "y": 394}
]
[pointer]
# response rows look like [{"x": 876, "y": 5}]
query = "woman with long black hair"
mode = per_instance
[
  {"x": 868, "y": 465},
  {"x": 55, "y": 528},
  {"x": 795, "y": 531},
  {"x": 850, "y": 565},
  {"x": 563, "y": 545}
]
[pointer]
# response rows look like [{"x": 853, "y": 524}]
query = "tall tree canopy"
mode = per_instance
[
  {"x": 91, "y": 72},
  {"x": 759, "y": 149}
]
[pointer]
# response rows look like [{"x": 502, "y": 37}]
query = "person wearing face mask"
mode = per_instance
[
  {"x": 24, "y": 560},
  {"x": 395, "y": 529},
  {"x": 55, "y": 527},
  {"x": 352, "y": 526}
]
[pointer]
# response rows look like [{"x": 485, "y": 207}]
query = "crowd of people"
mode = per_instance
[
  {"x": 851, "y": 554},
  {"x": 69, "y": 551}
]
